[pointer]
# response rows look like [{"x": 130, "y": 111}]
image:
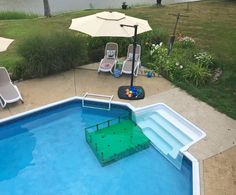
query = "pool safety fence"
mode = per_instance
[
  {"x": 116, "y": 140},
  {"x": 107, "y": 123}
]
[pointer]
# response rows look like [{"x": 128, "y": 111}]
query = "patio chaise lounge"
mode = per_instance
[
  {"x": 9, "y": 93},
  {"x": 110, "y": 58},
  {"x": 127, "y": 65}
]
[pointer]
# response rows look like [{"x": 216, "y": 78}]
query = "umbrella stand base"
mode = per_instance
[{"x": 131, "y": 92}]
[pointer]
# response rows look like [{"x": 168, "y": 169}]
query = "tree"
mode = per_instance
[
  {"x": 47, "y": 11},
  {"x": 158, "y": 2}
]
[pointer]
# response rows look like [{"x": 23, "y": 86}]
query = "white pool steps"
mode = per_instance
[
  {"x": 166, "y": 148},
  {"x": 182, "y": 127},
  {"x": 168, "y": 132},
  {"x": 168, "y": 141},
  {"x": 161, "y": 131},
  {"x": 172, "y": 129}
]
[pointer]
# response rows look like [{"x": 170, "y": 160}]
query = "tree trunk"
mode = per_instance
[
  {"x": 47, "y": 11},
  {"x": 158, "y": 2}
]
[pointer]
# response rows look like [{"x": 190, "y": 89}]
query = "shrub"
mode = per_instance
[
  {"x": 166, "y": 65},
  {"x": 197, "y": 74},
  {"x": 152, "y": 37},
  {"x": 96, "y": 49},
  {"x": 181, "y": 65},
  {"x": 48, "y": 54},
  {"x": 159, "y": 57},
  {"x": 96, "y": 45},
  {"x": 204, "y": 59},
  {"x": 16, "y": 15},
  {"x": 185, "y": 42},
  {"x": 146, "y": 40}
]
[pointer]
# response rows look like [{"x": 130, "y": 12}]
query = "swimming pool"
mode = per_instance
[{"x": 46, "y": 153}]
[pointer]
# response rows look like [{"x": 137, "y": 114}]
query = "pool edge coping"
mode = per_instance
[{"x": 196, "y": 189}]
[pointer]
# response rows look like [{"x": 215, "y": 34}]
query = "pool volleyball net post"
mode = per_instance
[{"x": 131, "y": 92}]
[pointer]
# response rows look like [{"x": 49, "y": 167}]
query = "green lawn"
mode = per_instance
[{"x": 211, "y": 23}]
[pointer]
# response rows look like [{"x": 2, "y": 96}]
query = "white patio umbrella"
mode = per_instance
[
  {"x": 112, "y": 24},
  {"x": 4, "y": 43},
  {"x": 108, "y": 24}
]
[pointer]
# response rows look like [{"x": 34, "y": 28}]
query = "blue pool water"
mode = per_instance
[{"x": 46, "y": 153}]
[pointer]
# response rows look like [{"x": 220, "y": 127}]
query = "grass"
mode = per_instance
[
  {"x": 10, "y": 15},
  {"x": 211, "y": 23}
]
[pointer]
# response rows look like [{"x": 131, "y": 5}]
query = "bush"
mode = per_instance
[
  {"x": 197, "y": 74},
  {"x": 204, "y": 59},
  {"x": 48, "y": 54},
  {"x": 182, "y": 64},
  {"x": 168, "y": 66},
  {"x": 96, "y": 45},
  {"x": 185, "y": 42},
  {"x": 16, "y": 15},
  {"x": 152, "y": 37},
  {"x": 146, "y": 40},
  {"x": 96, "y": 49},
  {"x": 159, "y": 57}
]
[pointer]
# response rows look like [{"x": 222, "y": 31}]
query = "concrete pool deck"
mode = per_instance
[{"x": 215, "y": 152}]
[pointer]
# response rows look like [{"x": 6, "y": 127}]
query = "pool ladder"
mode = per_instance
[{"x": 86, "y": 97}]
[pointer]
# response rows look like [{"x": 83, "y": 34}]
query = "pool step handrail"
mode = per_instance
[{"x": 85, "y": 97}]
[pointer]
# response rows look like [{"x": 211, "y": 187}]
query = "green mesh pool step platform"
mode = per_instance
[{"x": 117, "y": 141}]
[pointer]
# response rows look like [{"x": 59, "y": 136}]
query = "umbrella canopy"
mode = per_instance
[
  {"x": 4, "y": 43},
  {"x": 108, "y": 24}
]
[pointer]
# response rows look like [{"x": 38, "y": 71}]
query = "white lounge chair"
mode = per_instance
[
  {"x": 110, "y": 58},
  {"x": 9, "y": 93},
  {"x": 127, "y": 65}
]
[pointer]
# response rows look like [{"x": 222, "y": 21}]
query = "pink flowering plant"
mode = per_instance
[{"x": 185, "y": 42}]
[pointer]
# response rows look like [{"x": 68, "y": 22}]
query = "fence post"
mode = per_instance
[
  {"x": 86, "y": 136},
  {"x": 123, "y": 117}
]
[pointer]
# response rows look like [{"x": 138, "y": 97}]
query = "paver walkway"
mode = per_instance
[{"x": 220, "y": 129}]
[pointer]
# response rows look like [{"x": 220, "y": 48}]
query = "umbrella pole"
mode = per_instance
[
  {"x": 134, "y": 51},
  {"x": 136, "y": 92}
]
